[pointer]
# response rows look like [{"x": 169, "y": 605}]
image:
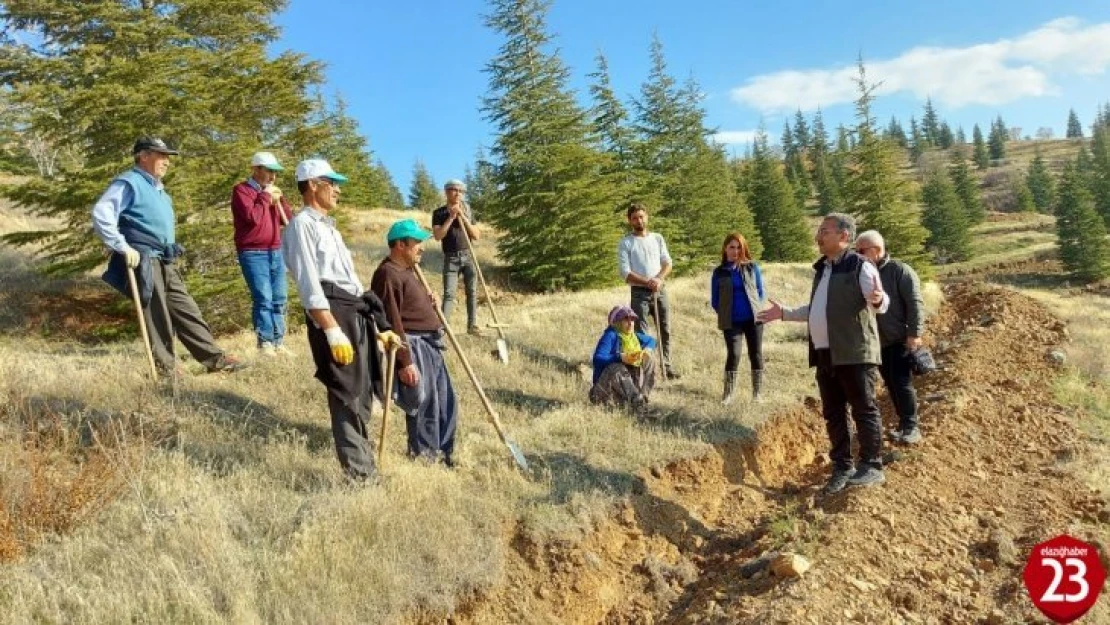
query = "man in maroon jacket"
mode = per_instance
[{"x": 259, "y": 212}]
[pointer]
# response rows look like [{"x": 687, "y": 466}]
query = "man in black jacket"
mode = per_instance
[{"x": 900, "y": 330}]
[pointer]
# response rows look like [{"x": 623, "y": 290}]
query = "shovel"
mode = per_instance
[
  {"x": 142, "y": 321},
  {"x": 502, "y": 345},
  {"x": 659, "y": 334},
  {"x": 390, "y": 368},
  {"x": 494, "y": 420}
]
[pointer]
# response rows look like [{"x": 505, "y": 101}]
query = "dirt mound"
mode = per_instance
[{"x": 943, "y": 541}]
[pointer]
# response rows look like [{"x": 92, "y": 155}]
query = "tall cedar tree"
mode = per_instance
[
  {"x": 1075, "y": 129},
  {"x": 424, "y": 193},
  {"x": 611, "y": 121},
  {"x": 967, "y": 189},
  {"x": 98, "y": 75},
  {"x": 825, "y": 164},
  {"x": 943, "y": 216},
  {"x": 1100, "y": 170},
  {"x": 346, "y": 150},
  {"x": 794, "y": 157},
  {"x": 553, "y": 202},
  {"x": 980, "y": 154},
  {"x": 1041, "y": 184},
  {"x": 876, "y": 193},
  {"x": 689, "y": 192},
  {"x": 1080, "y": 231},
  {"x": 996, "y": 141},
  {"x": 392, "y": 197},
  {"x": 782, "y": 225},
  {"x": 930, "y": 124}
]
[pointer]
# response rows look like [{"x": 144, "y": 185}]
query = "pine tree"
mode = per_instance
[
  {"x": 424, "y": 193},
  {"x": 961, "y": 138},
  {"x": 95, "y": 76},
  {"x": 689, "y": 189},
  {"x": 1080, "y": 232},
  {"x": 980, "y": 155},
  {"x": 1041, "y": 184},
  {"x": 1024, "y": 196},
  {"x": 612, "y": 123},
  {"x": 392, "y": 197},
  {"x": 1100, "y": 170},
  {"x": 918, "y": 142},
  {"x": 480, "y": 185},
  {"x": 346, "y": 150},
  {"x": 967, "y": 190},
  {"x": 996, "y": 142},
  {"x": 949, "y": 239},
  {"x": 779, "y": 218},
  {"x": 895, "y": 133},
  {"x": 1075, "y": 129},
  {"x": 553, "y": 202},
  {"x": 930, "y": 124},
  {"x": 875, "y": 191},
  {"x": 819, "y": 146},
  {"x": 825, "y": 166},
  {"x": 802, "y": 138},
  {"x": 945, "y": 139}
]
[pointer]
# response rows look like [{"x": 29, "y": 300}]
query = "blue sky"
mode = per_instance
[{"x": 412, "y": 72}]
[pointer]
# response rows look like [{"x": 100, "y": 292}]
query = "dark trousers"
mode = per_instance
[
  {"x": 452, "y": 266},
  {"x": 752, "y": 333},
  {"x": 172, "y": 310},
  {"x": 843, "y": 386},
  {"x": 431, "y": 410},
  {"x": 643, "y": 305},
  {"x": 898, "y": 378}
]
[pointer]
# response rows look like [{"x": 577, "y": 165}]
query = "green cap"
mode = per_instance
[{"x": 406, "y": 229}]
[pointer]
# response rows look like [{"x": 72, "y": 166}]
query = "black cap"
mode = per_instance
[{"x": 152, "y": 143}]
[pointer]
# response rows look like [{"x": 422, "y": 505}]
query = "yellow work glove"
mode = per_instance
[
  {"x": 342, "y": 352},
  {"x": 388, "y": 339},
  {"x": 274, "y": 191},
  {"x": 132, "y": 257}
]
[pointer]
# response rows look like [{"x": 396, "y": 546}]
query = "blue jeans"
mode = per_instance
[
  {"x": 452, "y": 266},
  {"x": 264, "y": 271}
]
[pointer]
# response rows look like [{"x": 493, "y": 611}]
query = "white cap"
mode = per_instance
[
  {"x": 317, "y": 168},
  {"x": 267, "y": 160},
  {"x": 455, "y": 183}
]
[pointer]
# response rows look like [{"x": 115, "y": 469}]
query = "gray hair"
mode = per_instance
[
  {"x": 844, "y": 223},
  {"x": 873, "y": 237}
]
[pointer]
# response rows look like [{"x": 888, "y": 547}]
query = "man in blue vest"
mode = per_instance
[{"x": 135, "y": 218}]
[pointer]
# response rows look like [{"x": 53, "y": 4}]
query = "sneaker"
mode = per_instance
[
  {"x": 837, "y": 481},
  {"x": 282, "y": 350},
  {"x": 474, "y": 331},
  {"x": 911, "y": 436},
  {"x": 268, "y": 349},
  {"x": 867, "y": 476},
  {"x": 673, "y": 375},
  {"x": 227, "y": 364},
  {"x": 894, "y": 436}
]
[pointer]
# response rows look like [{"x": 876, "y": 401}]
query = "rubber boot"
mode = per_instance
[
  {"x": 757, "y": 384},
  {"x": 730, "y": 386}
]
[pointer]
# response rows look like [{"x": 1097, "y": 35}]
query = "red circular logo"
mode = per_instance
[{"x": 1064, "y": 577}]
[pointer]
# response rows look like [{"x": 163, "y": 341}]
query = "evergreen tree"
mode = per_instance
[
  {"x": 961, "y": 138},
  {"x": 876, "y": 193},
  {"x": 1100, "y": 170},
  {"x": 945, "y": 139},
  {"x": 1080, "y": 232},
  {"x": 895, "y": 133},
  {"x": 980, "y": 155},
  {"x": 802, "y": 137},
  {"x": 553, "y": 202},
  {"x": 1024, "y": 196},
  {"x": 949, "y": 239},
  {"x": 1075, "y": 129},
  {"x": 967, "y": 190},
  {"x": 612, "y": 123},
  {"x": 424, "y": 193},
  {"x": 392, "y": 197},
  {"x": 346, "y": 150},
  {"x": 819, "y": 146},
  {"x": 1041, "y": 184},
  {"x": 996, "y": 142},
  {"x": 789, "y": 151},
  {"x": 844, "y": 141},
  {"x": 95, "y": 76},
  {"x": 480, "y": 185},
  {"x": 930, "y": 124},
  {"x": 782, "y": 226},
  {"x": 918, "y": 142},
  {"x": 825, "y": 168},
  {"x": 689, "y": 188}
]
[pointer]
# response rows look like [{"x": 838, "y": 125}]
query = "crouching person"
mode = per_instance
[{"x": 624, "y": 363}]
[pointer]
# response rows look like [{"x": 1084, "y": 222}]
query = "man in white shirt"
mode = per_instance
[
  {"x": 644, "y": 262},
  {"x": 844, "y": 346}
]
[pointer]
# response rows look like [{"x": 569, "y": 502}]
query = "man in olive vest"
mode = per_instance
[
  {"x": 844, "y": 347},
  {"x": 135, "y": 218}
]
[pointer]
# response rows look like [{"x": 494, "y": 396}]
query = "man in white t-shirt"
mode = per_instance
[{"x": 644, "y": 263}]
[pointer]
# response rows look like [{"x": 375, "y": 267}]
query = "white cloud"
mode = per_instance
[
  {"x": 735, "y": 137},
  {"x": 987, "y": 73}
]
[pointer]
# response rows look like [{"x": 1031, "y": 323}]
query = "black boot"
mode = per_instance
[
  {"x": 757, "y": 383},
  {"x": 730, "y": 386}
]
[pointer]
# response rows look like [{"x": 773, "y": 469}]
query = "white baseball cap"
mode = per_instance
[
  {"x": 267, "y": 160},
  {"x": 317, "y": 168}
]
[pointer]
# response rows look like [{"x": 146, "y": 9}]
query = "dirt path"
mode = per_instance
[{"x": 943, "y": 541}]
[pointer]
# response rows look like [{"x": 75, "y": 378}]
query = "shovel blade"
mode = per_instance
[
  {"x": 503, "y": 351},
  {"x": 518, "y": 456}
]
